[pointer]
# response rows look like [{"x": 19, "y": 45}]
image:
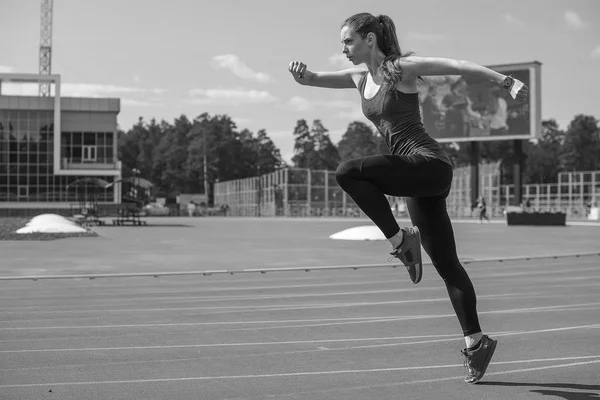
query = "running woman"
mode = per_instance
[{"x": 417, "y": 168}]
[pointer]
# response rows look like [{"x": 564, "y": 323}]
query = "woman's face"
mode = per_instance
[{"x": 354, "y": 46}]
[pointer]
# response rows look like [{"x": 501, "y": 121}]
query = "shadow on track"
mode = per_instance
[{"x": 593, "y": 391}]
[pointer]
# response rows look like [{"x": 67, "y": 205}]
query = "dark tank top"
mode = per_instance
[{"x": 397, "y": 117}]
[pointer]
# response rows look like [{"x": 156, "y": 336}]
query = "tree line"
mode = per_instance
[{"x": 172, "y": 155}]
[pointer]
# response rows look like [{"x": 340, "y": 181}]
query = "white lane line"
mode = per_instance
[
  {"x": 195, "y": 289},
  {"x": 185, "y": 299},
  {"x": 564, "y": 307},
  {"x": 211, "y": 289},
  {"x": 339, "y": 305},
  {"x": 175, "y": 346},
  {"x": 568, "y": 328},
  {"x": 274, "y": 307},
  {"x": 311, "y": 373},
  {"x": 586, "y": 306},
  {"x": 292, "y": 342},
  {"x": 451, "y": 378},
  {"x": 190, "y": 324},
  {"x": 407, "y": 318},
  {"x": 228, "y": 298},
  {"x": 219, "y": 357}
]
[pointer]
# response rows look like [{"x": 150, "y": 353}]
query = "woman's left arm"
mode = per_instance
[{"x": 424, "y": 66}]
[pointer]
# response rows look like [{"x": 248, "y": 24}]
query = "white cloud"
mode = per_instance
[
  {"x": 573, "y": 20},
  {"x": 287, "y": 156},
  {"x": 229, "y": 96},
  {"x": 94, "y": 90},
  {"x": 511, "y": 19},
  {"x": 340, "y": 109},
  {"x": 239, "y": 68},
  {"x": 298, "y": 103},
  {"x": 239, "y": 122},
  {"x": 595, "y": 52},
  {"x": 425, "y": 37},
  {"x": 69, "y": 89},
  {"x": 139, "y": 103},
  {"x": 98, "y": 90},
  {"x": 338, "y": 104},
  {"x": 6, "y": 69}
]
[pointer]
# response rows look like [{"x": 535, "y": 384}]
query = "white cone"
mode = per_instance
[
  {"x": 51, "y": 223},
  {"x": 366, "y": 232}
]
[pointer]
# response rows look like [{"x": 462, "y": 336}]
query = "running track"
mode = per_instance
[{"x": 325, "y": 334}]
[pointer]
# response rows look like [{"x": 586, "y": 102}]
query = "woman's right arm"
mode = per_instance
[{"x": 344, "y": 79}]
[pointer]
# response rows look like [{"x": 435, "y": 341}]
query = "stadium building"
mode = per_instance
[{"x": 47, "y": 143}]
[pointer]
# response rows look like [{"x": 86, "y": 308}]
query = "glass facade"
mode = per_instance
[
  {"x": 88, "y": 147},
  {"x": 27, "y": 158}
]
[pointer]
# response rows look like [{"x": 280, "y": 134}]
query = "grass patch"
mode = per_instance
[{"x": 10, "y": 225}]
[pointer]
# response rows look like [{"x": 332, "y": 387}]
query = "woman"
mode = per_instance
[{"x": 417, "y": 167}]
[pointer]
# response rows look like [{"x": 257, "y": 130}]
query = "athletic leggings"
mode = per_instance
[{"x": 426, "y": 182}]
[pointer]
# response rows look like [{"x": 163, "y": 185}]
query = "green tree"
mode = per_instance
[
  {"x": 313, "y": 147},
  {"x": 543, "y": 157},
  {"x": 581, "y": 150},
  {"x": 327, "y": 155},
  {"x": 359, "y": 140},
  {"x": 268, "y": 155},
  {"x": 172, "y": 155},
  {"x": 171, "y": 158},
  {"x": 304, "y": 146}
]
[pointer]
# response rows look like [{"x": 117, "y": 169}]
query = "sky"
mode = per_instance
[{"x": 167, "y": 58}]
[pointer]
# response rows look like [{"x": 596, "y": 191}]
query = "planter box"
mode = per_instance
[{"x": 536, "y": 218}]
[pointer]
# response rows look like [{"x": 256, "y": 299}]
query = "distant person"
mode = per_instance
[
  {"x": 482, "y": 207},
  {"x": 224, "y": 209},
  {"x": 191, "y": 208},
  {"x": 526, "y": 205},
  {"x": 417, "y": 167}
]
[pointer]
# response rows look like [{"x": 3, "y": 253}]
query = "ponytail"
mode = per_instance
[{"x": 390, "y": 70}]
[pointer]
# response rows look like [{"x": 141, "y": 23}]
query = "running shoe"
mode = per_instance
[
  {"x": 478, "y": 359},
  {"x": 409, "y": 253}
]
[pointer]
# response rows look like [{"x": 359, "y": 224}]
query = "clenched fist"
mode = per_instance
[{"x": 297, "y": 69}]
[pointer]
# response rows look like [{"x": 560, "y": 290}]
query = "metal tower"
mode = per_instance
[{"x": 45, "y": 45}]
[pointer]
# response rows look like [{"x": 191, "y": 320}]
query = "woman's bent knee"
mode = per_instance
[{"x": 347, "y": 170}]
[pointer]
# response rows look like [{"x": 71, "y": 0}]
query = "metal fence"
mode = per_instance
[
  {"x": 300, "y": 192},
  {"x": 574, "y": 193}
]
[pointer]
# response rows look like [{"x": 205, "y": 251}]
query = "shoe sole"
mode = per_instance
[{"x": 487, "y": 361}]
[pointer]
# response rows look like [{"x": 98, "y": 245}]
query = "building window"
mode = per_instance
[
  {"x": 23, "y": 191},
  {"x": 89, "y": 153}
]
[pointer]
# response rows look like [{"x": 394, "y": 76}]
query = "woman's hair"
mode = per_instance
[{"x": 385, "y": 32}]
